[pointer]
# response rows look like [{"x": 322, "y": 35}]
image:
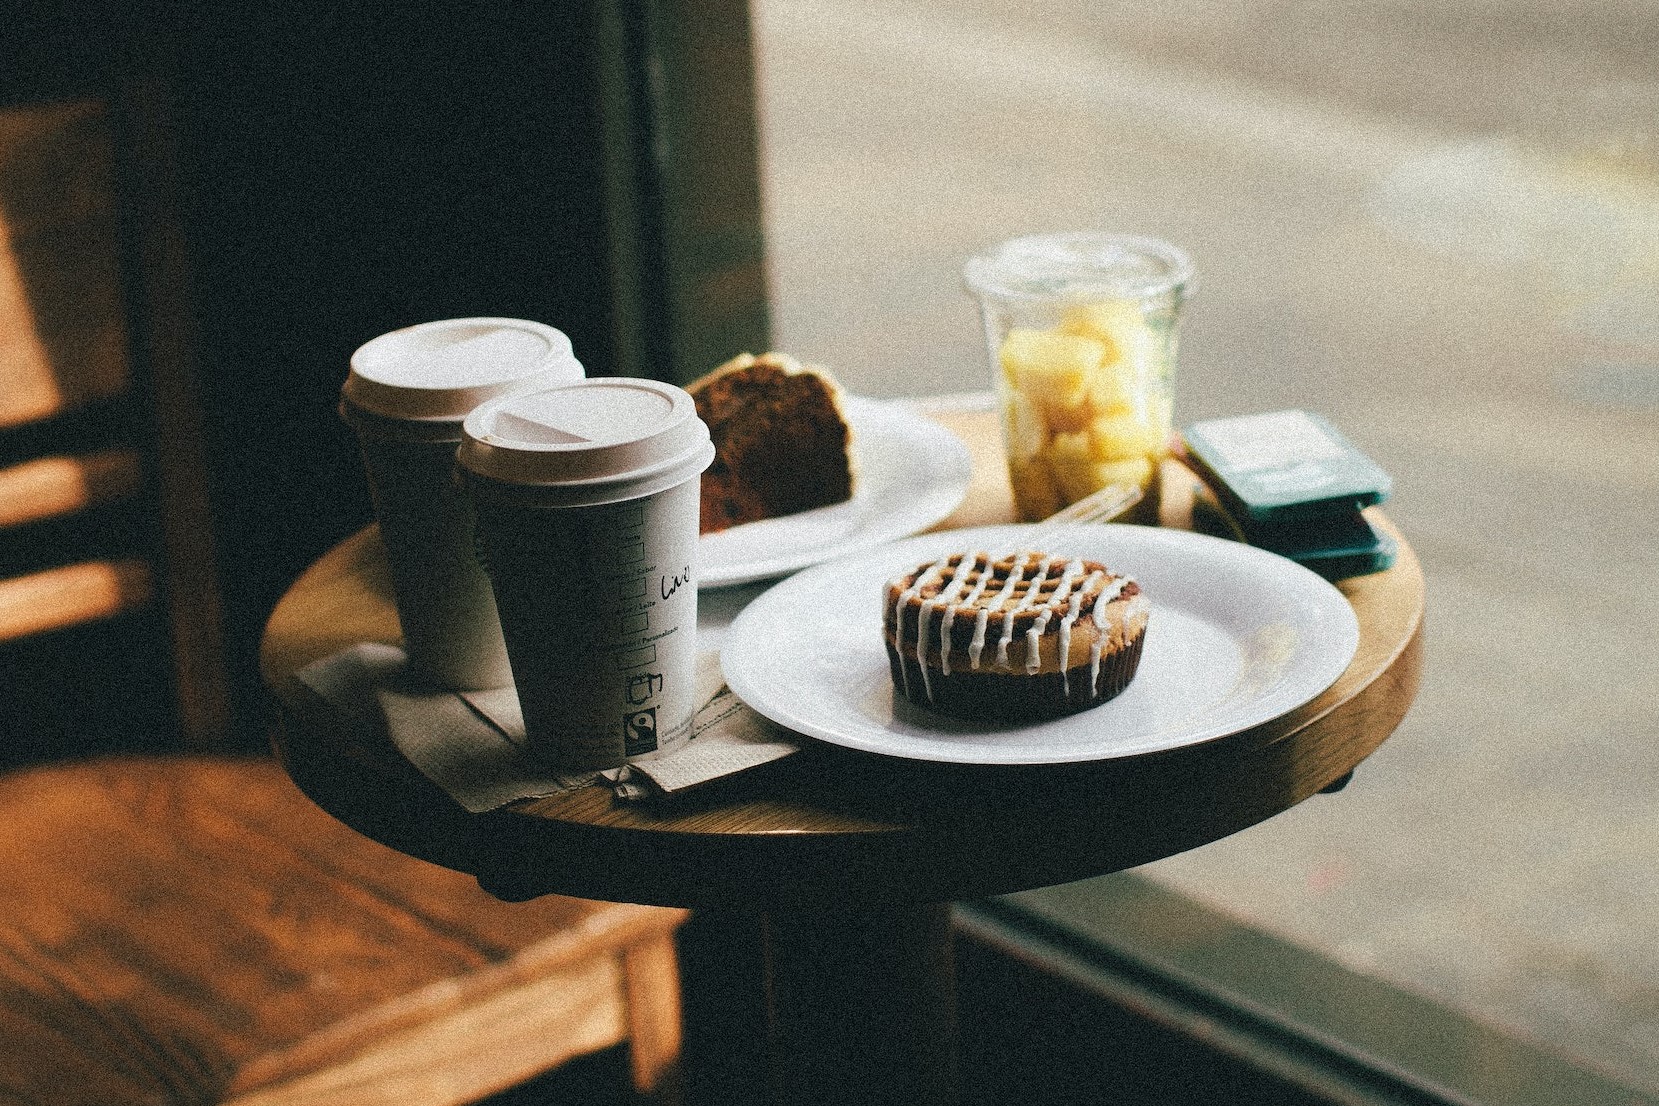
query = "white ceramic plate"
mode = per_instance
[
  {"x": 1237, "y": 637},
  {"x": 912, "y": 473}
]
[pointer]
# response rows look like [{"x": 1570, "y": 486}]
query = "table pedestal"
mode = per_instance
[{"x": 862, "y": 1006}]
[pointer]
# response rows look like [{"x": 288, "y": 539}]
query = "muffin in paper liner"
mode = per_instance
[{"x": 1022, "y": 637}]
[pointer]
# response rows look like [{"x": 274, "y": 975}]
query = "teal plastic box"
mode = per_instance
[
  {"x": 1335, "y": 546},
  {"x": 1284, "y": 465}
]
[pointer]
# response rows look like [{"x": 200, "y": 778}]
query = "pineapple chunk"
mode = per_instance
[
  {"x": 1137, "y": 472},
  {"x": 1122, "y": 324},
  {"x": 1075, "y": 448},
  {"x": 1123, "y": 438},
  {"x": 1115, "y": 390},
  {"x": 1024, "y": 431},
  {"x": 1070, "y": 457},
  {"x": 1080, "y": 478},
  {"x": 1108, "y": 321},
  {"x": 1049, "y": 366}
]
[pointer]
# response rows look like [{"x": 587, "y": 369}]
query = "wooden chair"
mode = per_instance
[
  {"x": 187, "y": 927},
  {"x": 193, "y": 930}
]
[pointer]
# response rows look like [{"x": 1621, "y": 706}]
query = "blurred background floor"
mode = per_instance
[{"x": 1437, "y": 224}]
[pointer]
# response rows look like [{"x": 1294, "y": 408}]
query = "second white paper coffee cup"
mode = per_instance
[
  {"x": 586, "y": 497},
  {"x": 407, "y": 394}
]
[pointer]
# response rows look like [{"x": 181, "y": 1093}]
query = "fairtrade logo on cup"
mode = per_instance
[{"x": 586, "y": 497}]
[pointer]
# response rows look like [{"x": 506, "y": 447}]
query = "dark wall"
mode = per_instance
[{"x": 342, "y": 174}]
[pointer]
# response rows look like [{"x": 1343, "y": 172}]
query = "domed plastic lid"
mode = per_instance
[
  {"x": 1079, "y": 265},
  {"x": 437, "y": 372},
  {"x": 593, "y": 441}
]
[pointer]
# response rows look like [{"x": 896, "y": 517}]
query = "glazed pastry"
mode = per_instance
[{"x": 1015, "y": 638}]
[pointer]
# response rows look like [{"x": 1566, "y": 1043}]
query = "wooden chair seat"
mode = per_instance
[{"x": 192, "y": 929}]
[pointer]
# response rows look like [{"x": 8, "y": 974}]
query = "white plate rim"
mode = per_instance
[
  {"x": 1324, "y": 606},
  {"x": 877, "y": 425}
]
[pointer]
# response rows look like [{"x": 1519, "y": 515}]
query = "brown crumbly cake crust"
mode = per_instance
[
  {"x": 781, "y": 440},
  {"x": 1016, "y": 638}
]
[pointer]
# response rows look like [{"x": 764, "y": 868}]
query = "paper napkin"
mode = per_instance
[{"x": 472, "y": 744}]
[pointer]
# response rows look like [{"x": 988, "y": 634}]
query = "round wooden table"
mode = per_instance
[{"x": 849, "y": 858}]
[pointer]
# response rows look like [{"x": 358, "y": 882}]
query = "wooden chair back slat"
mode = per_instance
[
  {"x": 62, "y": 338},
  {"x": 50, "y": 487},
  {"x": 59, "y": 598}
]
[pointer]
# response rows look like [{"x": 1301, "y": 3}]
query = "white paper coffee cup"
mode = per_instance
[
  {"x": 586, "y": 497},
  {"x": 406, "y": 395}
]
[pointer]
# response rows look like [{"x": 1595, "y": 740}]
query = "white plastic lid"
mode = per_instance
[
  {"x": 592, "y": 441},
  {"x": 437, "y": 372},
  {"x": 1079, "y": 264}
]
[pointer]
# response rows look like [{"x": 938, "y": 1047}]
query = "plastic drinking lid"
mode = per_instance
[
  {"x": 1082, "y": 263},
  {"x": 605, "y": 431},
  {"x": 439, "y": 371}
]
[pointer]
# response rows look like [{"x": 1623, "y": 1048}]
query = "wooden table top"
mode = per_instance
[{"x": 831, "y": 825}]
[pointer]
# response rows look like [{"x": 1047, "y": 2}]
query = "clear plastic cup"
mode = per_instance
[
  {"x": 406, "y": 396},
  {"x": 587, "y": 502},
  {"x": 1081, "y": 331}
]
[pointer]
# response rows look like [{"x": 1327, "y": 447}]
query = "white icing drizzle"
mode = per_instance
[
  {"x": 944, "y": 597},
  {"x": 976, "y": 645},
  {"x": 1034, "y": 636},
  {"x": 923, "y": 578},
  {"x": 1074, "y": 607},
  {"x": 1016, "y": 572},
  {"x": 968, "y": 600},
  {"x": 1108, "y": 593},
  {"x": 1098, "y": 613},
  {"x": 1008, "y": 617}
]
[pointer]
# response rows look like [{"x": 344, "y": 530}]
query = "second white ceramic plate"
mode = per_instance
[
  {"x": 912, "y": 473},
  {"x": 1237, "y": 637}
]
